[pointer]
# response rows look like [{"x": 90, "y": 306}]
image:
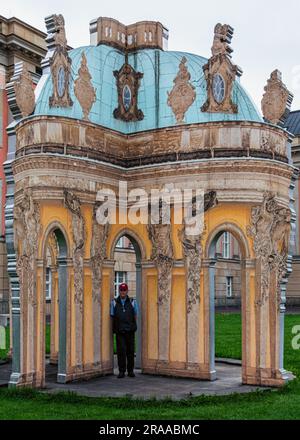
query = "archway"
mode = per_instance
[
  {"x": 245, "y": 267},
  {"x": 56, "y": 250},
  {"x": 126, "y": 244}
]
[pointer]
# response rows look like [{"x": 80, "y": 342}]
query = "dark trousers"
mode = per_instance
[{"x": 125, "y": 351}]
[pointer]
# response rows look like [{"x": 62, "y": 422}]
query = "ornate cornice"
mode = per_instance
[{"x": 192, "y": 142}]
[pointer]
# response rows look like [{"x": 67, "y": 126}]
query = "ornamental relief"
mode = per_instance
[
  {"x": 24, "y": 92},
  {"x": 192, "y": 250},
  {"x": 98, "y": 253},
  {"x": 60, "y": 32},
  {"x": 270, "y": 229},
  {"x": 128, "y": 83},
  {"x": 220, "y": 74},
  {"x": 162, "y": 255},
  {"x": 183, "y": 93},
  {"x": 73, "y": 204},
  {"x": 27, "y": 230},
  {"x": 277, "y": 100},
  {"x": 60, "y": 66},
  {"x": 83, "y": 88},
  {"x": 53, "y": 248}
]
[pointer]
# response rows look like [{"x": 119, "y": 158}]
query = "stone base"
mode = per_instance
[
  {"x": 267, "y": 378},
  {"x": 34, "y": 380},
  {"x": 192, "y": 371},
  {"x": 29, "y": 380},
  {"x": 85, "y": 374}
]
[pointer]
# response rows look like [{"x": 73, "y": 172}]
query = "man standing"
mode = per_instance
[{"x": 124, "y": 312}]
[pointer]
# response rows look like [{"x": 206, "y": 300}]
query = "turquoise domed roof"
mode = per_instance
[{"x": 159, "y": 69}]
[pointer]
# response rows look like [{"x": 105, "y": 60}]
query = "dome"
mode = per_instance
[{"x": 159, "y": 70}]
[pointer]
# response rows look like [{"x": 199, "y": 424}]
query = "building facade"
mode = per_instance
[
  {"x": 293, "y": 292},
  {"x": 19, "y": 42},
  {"x": 120, "y": 113}
]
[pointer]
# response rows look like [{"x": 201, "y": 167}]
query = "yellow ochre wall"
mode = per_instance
[{"x": 55, "y": 212}]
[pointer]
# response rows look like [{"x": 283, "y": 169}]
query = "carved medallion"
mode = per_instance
[
  {"x": 83, "y": 88},
  {"x": 270, "y": 229},
  {"x": 183, "y": 93},
  {"x": 24, "y": 92},
  {"x": 128, "y": 82},
  {"x": 60, "y": 65},
  {"x": 277, "y": 100},
  {"x": 220, "y": 73}
]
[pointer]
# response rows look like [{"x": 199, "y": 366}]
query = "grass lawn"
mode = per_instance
[
  {"x": 3, "y": 353},
  {"x": 282, "y": 404}
]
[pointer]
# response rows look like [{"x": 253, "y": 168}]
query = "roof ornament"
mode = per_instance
[
  {"x": 183, "y": 93},
  {"x": 222, "y": 40},
  {"x": 60, "y": 34},
  {"x": 220, "y": 73},
  {"x": 83, "y": 88},
  {"x": 20, "y": 92},
  {"x": 59, "y": 61},
  {"x": 277, "y": 100},
  {"x": 128, "y": 83}
]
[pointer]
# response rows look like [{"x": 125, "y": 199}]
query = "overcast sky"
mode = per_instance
[{"x": 266, "y": 37}]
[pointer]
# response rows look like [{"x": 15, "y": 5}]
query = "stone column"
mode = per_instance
[
  {"x": 209, "y": 267},
  {"x": 138, "y": 361},
  {"x": 270, "y": 229},
  {"x": 20, "y": 82},
  {"x": 163, "y": 257},
  {"x": 63, "y": 317},
  {"x": 54, "y": 315},
  {"x": 73, "y": 204},
  {"x": 249, "y": 345}
]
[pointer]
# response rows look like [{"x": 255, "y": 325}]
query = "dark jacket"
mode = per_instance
[{"x": 124, "y": 320}]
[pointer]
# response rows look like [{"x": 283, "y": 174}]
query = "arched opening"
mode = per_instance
[
  {"x": 127, "y": 256},
  {"x": 55, "y": 300},
  {"x": 227, "y": 252}
]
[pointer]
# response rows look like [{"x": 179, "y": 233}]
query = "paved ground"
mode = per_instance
[
  {"x": 5, "y": 369},
  {"x": 144, "y": 386}
]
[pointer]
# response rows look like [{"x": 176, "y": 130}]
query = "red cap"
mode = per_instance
[{"x": 123, "y": 287}]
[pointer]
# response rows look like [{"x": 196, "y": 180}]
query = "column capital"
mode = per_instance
[{"x": 209, "y": 262}]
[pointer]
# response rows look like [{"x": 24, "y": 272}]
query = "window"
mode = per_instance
[
  {"x": 48, "y": 283},
  {"x": 61, "y": 79},
  {"x": 226, "y": 245},
  {"x": 120, "y": 277},
  {"x": 121, "y": 243},
  {"x": 127, "y": 97},
  {"x": 218, "y": 87},
  {"x": 124, "y": 243},
  {"x": 229, "y": 287}
]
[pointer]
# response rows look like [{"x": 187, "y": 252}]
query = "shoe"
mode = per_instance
[
  {"x": 121, "y": 375},
  {"x": 131, "y": 374}
]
